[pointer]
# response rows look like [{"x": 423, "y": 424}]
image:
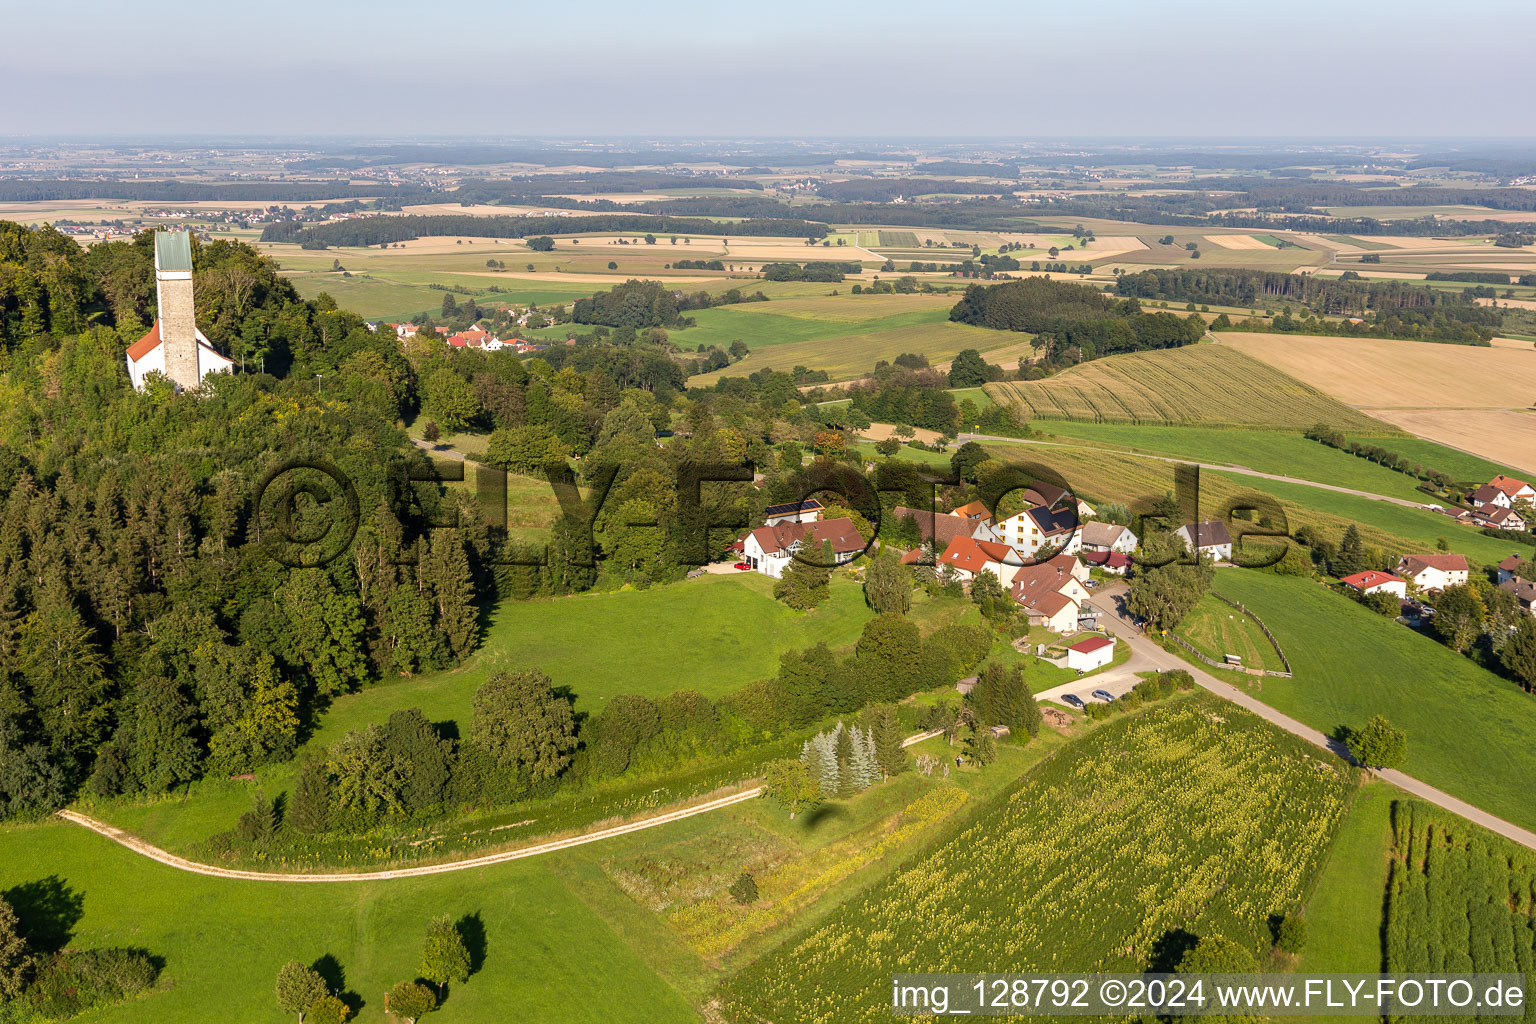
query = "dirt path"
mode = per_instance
[
  {"x": 1221, "y": 467},
  {"x": 1106, "y": 602},
  {"x": 154, "y": 853}
]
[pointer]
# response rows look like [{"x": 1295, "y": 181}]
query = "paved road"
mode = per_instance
[
  {"x": 1222, "y": 467},
  {"x": 1109, "y": 602},
  {"x": 154, "y": 853}
]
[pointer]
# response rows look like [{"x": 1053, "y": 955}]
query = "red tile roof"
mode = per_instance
[
  {"x": 1093, "y": 643},
  {"x": 1038, "y": 587},
  {"x": 1508, "y": 484},
  {"x": 840, "y": 532},
  {"x": 145, "y": 345},
  {"x": 974, "y": 555},
  {"x": 1370, "y": 578},
  {"x": 1445, "y": 563}
]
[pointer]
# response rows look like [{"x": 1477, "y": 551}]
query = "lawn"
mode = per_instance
[
  {"x": 223, "y": 941},
  {"x": 851, "y": 350},
  {"x": 1216, "y": 629},
  {"x": 1470, "y": 733},
  {"x": 713, "y": 634},
  {"x": 1344, "y": 912}
]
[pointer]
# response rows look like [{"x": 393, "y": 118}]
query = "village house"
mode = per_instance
[
  {"x": 768, "y": 549},
  {"x": 973, "y": 510},
  {"x": 1515, "y": 490},
  {"x": 1514, "y": 566},
  {"x": 1487, "y": 495},
  {"x": 1038, "y": 527},
  {"x": 174, "y": 346},
  {"x": 1052, "y": 592},
  {"x": 1113, "y": 562},
  {"x": 807, "y": 511},
  {"x": 1524, "y": 591},
  {"x": 1106, "y": 537},
  {"x": 967, "y": 557},
  {"x": 1207, "y": 537},
  {"x": 938, "y": 528},
  {"x": 1496, "y": 517},
  {"x": 1094, "y": 652},
  {"x": 1051, "y": 496},
  {"x": 1433, "y": 572},
  {"x": 1373, "y": 582}
]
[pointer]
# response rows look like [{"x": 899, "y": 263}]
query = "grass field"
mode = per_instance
[
  {"x": 1198, "y": 385},
  {"x": 223, "y": 941},
  {"x": 1470, "y": 733},
  {"x": 1344, "y": 911},
  {"x": 713, "y": 634},
  {"x": 1190, "y": 816},
  {"x": 853, "y": 353},
  {"x": 1216, "y": 629}
]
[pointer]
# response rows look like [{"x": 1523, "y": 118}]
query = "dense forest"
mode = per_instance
[
  {"x": 1074, "y": 322},
  {"x": 383, "y": 230},
  {"x": 1397, "y": 309}
]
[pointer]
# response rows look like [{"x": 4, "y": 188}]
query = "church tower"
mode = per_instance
[{"x": 178, "y": 321}]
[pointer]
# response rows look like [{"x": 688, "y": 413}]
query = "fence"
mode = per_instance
[{"x": 1240, "y": 668}]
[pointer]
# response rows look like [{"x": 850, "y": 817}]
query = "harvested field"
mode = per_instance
[
  {"x": 1506, "y": 436},
  {"x": 1210, "y": 385},
  {"x": 1237, "y": 242},
  {"x": 1377, "y": 373},
  {"x": 899, "y": 239}
]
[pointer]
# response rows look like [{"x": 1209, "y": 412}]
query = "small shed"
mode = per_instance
[{"x": 1087, "y": 655}]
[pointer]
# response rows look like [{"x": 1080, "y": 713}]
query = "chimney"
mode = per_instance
[{"x": 173, "y": 296}]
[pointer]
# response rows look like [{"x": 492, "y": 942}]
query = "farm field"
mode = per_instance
[
  {"x": 1267, "y": 451},
  {"x": 1090, "y": 861},
  {"x": 1207, "y": 385},
  {"x": 1216, "y": 629},
  {"x": 765, "y": 327},
  {"x": 854, "y": 353},
  {"x": 1426, "y": 388},
  {"x": 1459, "y": 899},
  {"x": 1470, "y": 733}
]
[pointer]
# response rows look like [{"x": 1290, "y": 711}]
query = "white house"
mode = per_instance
[
  {"x": 1373, "y": 582},
  {"x": 1433, "y": 572},
  {"x": 768, "y": 549},
  {"x": 1087, "y": 655},
  {"x": 807, "y": 511},
  {"x": 1497, "y": 517},
  {"x": 1207, "y": 537},
  {"x": 1037, "y": 527},
  {"x": 1517, "y": 490},
  {"x": 1052, "y": 592},
  {"x": 174, "y": 346},
  {"x": 1107, "y": 537},
  {"x": 967, "y": 557}
]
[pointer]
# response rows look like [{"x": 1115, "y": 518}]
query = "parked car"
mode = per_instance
[
  {"x": 1073, "y": 700},
  {"x": 743, "y": 566},
  {"x": 1104, "y": 695}
]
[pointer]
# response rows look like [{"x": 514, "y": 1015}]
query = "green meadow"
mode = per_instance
[{"x": 1470, "y": 732}]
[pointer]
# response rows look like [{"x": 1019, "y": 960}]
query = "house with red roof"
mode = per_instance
[
  {"x": 1374, "y": 582},
  {"x": 1052, "y": 592},
  {"x": 1433, "y": 572},
  {"x": 769, "y": 549},
  {"x": 1113, "y": 562},
  {"x": 1094, "y": 652},
  {"x": 968, "y": 557}
]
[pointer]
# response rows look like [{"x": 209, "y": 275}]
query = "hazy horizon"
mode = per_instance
[{"x": 1182, "y": 70}]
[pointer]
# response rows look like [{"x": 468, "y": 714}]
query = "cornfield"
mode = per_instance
[
  {"x": 1207, "y": 385},
  {"x": 1459, "y": 900},
  {"x": 1191, "y": 815}
]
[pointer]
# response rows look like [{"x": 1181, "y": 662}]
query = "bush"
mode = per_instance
[
  {"x": 744, "y": 889},
  {"x": 1291, "y": 934},
  {"x": 73, "y": 982}
]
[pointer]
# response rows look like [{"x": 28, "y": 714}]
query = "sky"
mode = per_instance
[{"x": 789, "y": 68}]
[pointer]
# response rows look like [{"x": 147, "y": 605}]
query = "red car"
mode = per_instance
[{"x": 743, "y": 566}]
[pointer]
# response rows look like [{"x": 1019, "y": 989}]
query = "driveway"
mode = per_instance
[{"x": 1118, "y": 680}]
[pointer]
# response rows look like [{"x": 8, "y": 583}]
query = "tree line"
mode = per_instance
[{"x": 384, "y": 230}]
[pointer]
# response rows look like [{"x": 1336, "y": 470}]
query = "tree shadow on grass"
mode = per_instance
[
  {"x": 1168, "y": 950},
  {"x": 821, "y": 814},
  {"x": 335, "y": 978},
  {"x": 472, "y": 931},
  {"x": 47, "y": 911}
]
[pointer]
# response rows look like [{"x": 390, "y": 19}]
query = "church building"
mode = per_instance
[{"x": 174, "y": 346}]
